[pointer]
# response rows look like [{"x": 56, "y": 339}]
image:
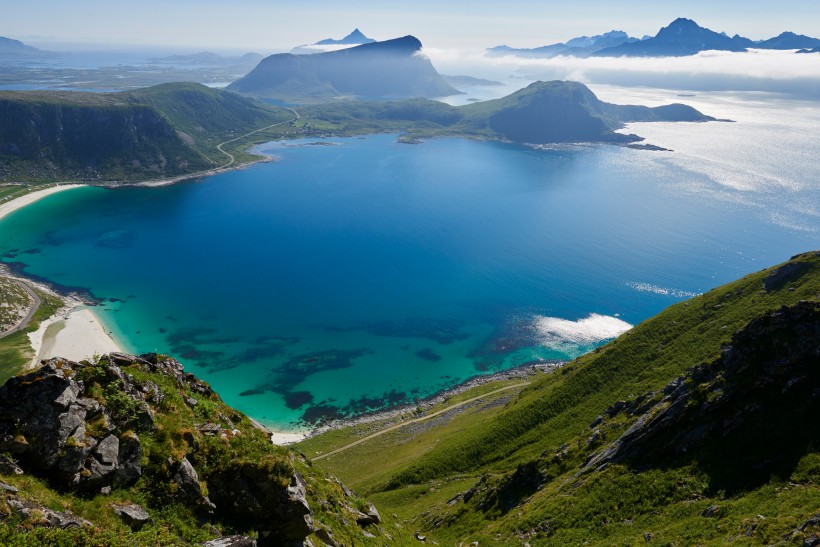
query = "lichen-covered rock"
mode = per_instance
[
  {"x": 185, "y": 477},
  {"x": 231, "y": 541},
  {"x": 133, "y": 515},
  {"x": 46, "y": 417}
]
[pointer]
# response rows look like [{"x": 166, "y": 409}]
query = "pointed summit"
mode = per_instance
[
  {"x": 355, "y": 38},
  {"x": 682, "y": 37}
]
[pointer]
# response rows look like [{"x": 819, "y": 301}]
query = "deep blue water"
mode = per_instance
[{"x": 343, "y": 278}]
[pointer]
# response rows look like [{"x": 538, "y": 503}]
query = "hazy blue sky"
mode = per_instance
[{"x": 270, "y": 25}]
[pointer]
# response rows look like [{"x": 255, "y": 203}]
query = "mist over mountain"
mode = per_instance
[
  {"x": 582, "y": 46},
  {"x": 355, "y": 38},
  {"x": 390, "y": 69},
  {"x": 789, "y": 40},
  {"x": 681, "y": 38}
]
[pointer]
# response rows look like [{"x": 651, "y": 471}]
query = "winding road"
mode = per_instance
[
  {"x": 24, "y": 321},
  {"x": 417, "y": 420},
  {"x": 231, "y": 157}
]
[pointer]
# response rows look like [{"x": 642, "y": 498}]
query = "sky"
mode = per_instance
[{"x": 268, "y": 26}]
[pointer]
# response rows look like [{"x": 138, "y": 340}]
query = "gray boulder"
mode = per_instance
[{"x": 133, "y": 515}]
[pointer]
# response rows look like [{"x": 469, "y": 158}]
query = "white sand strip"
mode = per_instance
[
  {"x": 283, "y": 438},
  {"x": 74, "y": 333},
  {"x": 18, "y": 203}
]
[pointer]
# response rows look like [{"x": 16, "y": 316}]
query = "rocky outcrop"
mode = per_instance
[
  {"x": 79, "y": 426},
  {"x": 246, "y": 492},
  {"x": 53, "y": 426},
  {"x": 28, "y": 513},
  {"x": 770, "y": 371}
]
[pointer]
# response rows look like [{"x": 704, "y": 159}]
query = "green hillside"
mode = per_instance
[
  {"x": 694, "y": 427},
  {"x": 164, "y": 131},
  {"x": 541, "y": 113}
]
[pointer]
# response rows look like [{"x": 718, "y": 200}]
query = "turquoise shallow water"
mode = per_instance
[{"x": 350, "y": 277}]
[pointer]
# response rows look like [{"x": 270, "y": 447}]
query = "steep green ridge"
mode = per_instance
[
  {"x": 159, "y": 132},
  {"x": 541, "y": 113},
  {"x": 694, "y": 427}
]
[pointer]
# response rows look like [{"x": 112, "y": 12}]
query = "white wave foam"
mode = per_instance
[
  {"x": 647, "y": 287},
  {"x": 564, "y": 335}
]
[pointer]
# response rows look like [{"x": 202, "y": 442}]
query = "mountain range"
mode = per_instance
[
  {"x": 389, "y": 69},
  {"x": 174, "y": 130},
  {"x": 582, "y": 46},
  {"x": 682, "y": 37},
  {"x": 355, "y": 38}
]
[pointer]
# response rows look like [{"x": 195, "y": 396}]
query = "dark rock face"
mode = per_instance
[
  {"x": 245, "y": 492},
  {"x": 47, "y": 419},
  {"x": 763, "y": 386},
  {"x": 791, "y": 271}
]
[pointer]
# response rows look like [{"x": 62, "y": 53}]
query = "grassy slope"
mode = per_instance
[
  {"x": 15, "y": 349},
  {"x": 555, "y": 413}
]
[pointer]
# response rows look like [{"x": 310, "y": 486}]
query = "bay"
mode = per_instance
[{"x": 365, "y": 273}]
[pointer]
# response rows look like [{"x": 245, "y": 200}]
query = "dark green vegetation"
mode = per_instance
[
  {"x": 174, "y": 130},
  {"x": 695, "y": 427},
  {"x": 80, "y": 441},
  {"x": 390, "y": 69},
  {"x": 543, "y": 112},
  {"x": 159, "y": 132}
]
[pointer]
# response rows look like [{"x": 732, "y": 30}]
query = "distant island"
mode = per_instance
[
  {"x": 466, "y": 81},
  {"x": 681, "y": 38},
  {"x": 355, "y": 38},
  {"x": 208, "y": 58},
  {"x": 174, "y": 131},
  {"x": 11, "y": 50},
  {"x": 389, "y": 69},
  {"x": 541, "y": 113}
]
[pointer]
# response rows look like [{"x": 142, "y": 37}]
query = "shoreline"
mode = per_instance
[
  {"x": 184, "y": 178},
  {"x": 74, "y": 331},
  {"x": 9, "y": 207},
  {"x": 391, "y": 416}
]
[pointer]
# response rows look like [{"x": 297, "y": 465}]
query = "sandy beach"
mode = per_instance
[
  {"x": 74, "y": 332},
  {"x": 18, "y": 203}
]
